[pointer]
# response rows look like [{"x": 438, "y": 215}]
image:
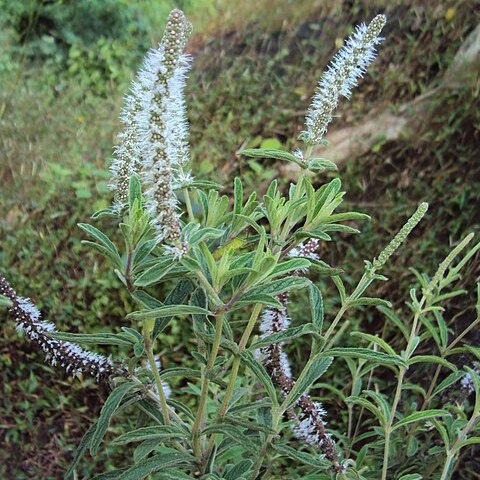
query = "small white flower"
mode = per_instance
[{"x": 348, "y": 65}]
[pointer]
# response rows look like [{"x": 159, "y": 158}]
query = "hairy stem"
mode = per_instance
[
  {"x": 200, "y": 417},
  {"x": 156, "y": 375},
  {"x": 188, "y": 204},
  {"x": 233, "y": 375}
]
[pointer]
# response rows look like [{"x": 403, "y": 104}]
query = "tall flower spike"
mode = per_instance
[
  {"x": 309, "y": 424},
  {"x": 69, "y": 355},
  {"x": 401, "y": 236},
  {"x": 348, "y": 65},
  {"x": 163, "y": 130}
]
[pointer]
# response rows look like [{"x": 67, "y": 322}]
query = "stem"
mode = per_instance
[
  {"x": 200, "y": 417},
  {"x": 398, "y": 392},
  {"x": 259, "y": 461},
  {"x": 188, "y": 203},
  {"x": 153, "y": 367},
  {"x": 233, "y": 376},
  {"x": 446, "y": 467},
  {"x": 359, "y": 289}
]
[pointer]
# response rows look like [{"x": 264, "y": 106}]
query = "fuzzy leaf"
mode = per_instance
[
  {"x": 80, "y": 451},
  {"x": 270, "y": 153},
  {"x": 102, "y": 238},
  {"x": 108, "y": 410},
  {"x": 321, "y": 165},
  {"x": 285, "y": 335},
  {"x": 157, "y": 432},
  {"x": 156, "y": 463},
  {"x": 168, "y": 311},
  {"x": 312, "y": 372},
  {"x": 379, "y": 358},
  {"x": 155, "y": 273},
  {"x": 419, "y": 417},
  {"x": 316, "y": 306},
  {"x": 134, "y": 191},
  {"x": 304, "y": 458},
  {"x": 119, "y": 339},
  {"x": 257, "y": 368},
  {"x": 277, "y": 286}
]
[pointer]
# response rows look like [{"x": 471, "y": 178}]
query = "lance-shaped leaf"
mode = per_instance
[
  {"x": 108, "y": 410},
  {"x": 157, "y": 432},
  {"x": 314, "y": 369},
  {"x": 119, "y": 339},
  {"x": 168, "y": 311},
  {"x": 271, "y": 153},
  {"x": 378, "y": 358},
  {"x": 420, "y": 417},
  {"x": 285, "y": 335},
  {"x": 277, "y": 286},
  {"x": 157, "y": 463}
]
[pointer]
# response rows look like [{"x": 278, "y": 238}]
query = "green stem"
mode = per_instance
[
  {"x": 200, "y": 417},
  {"x": 188, "y": 203},
  {"x": 156, "y": 375},
  {"x": 233, "y": 376},
  {"x": 398, "y": 392}
]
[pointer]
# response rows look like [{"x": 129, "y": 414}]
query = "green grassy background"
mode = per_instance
[{"x": 64, "y": 68}]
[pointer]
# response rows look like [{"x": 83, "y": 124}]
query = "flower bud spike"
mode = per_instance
[{"x": 400, "y": 237}]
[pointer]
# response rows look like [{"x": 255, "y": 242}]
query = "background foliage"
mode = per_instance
[{"x": 64, "y": 67}]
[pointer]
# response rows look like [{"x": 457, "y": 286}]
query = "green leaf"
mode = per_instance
[
  {"x": 304, "y": 458},
  {"x": 80, "y": 451},
  {"x": 314, "y": 369},
  {"x": 119, "y": 339},
  {"x": 316, "y": 306},
  {"x": 233, "y": 432},
  {"x": 204, "y": 234},
  {"x": 469, "y": 441},
  {"x": 270, "y": 153},
  {"x": 108, "y": 410},
  {"x": 176, "y": 297},
  {"x": 134, "y": 191},
  {"x": 369, "y": 301},
  {"x": 115, "y": 259},
  {"x": 103, "y": 239},
  {"x": 269, "y": 300},
  {"x": 237, "y": 195},
  {"x": 340, "y": 287},
  {"x": 377, "y": 340},
  {"x": 157, "y": 432},
  {"x": 370, "y": 406},
  {"x": 291, "y": 265},
  {"x": 411, "y": 476},
  {"x": 156, "y": 463},
  {"x": 419, "y": 417},
  {"x": 238, "y": 470},
  {"x": 5, "y": 302},
  {"x": 168, "y": 311},
  {"x": 432, "y": 359},
  {"x": 285, "y": 335},
  {"x": 155, "y": 273},
  {"x": 321, "y": 165},
  {"x": 277, "y": 286},
  {"x": 379, "y": 358},
  {"x": 257, "y": 368},
  {"x": 449, "y": 381}
]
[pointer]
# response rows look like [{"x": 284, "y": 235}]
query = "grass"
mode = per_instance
[{"x": 250, "y": 86}]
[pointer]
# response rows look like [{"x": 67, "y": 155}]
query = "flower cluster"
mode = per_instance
[
  {"x": 309, "y": 423},
  {"x": 69, "y": 355},
  {"x": 348, "y": 65},
  {"x": 154, "y": 142}
]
